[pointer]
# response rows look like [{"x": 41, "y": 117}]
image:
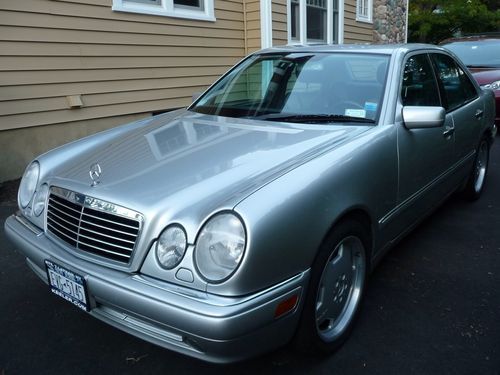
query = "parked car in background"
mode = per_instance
[
  {"x": 253, "y": 218},
  {"x": 481, "y": 54}
]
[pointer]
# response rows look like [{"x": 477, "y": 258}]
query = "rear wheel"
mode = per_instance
[
  {"x": 477, "y": 178},
  {"x": 335, "y": 291}
]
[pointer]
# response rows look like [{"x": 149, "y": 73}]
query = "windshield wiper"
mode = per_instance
[{"x": 312, "y": 119}]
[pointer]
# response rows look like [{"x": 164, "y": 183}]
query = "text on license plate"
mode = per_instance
[{"x": 67, "y": 284}]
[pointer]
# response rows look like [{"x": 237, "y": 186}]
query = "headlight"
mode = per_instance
[
  {"x": 220, "y": 247},
  {"x": 28, "y": 184},
  {"x": 171, "y": 246},
  {"x": 40, "y": 198},
  {"x": 492, "y": 86}
]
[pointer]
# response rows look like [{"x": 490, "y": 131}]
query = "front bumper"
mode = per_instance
[{"x": 213, "y": 328}]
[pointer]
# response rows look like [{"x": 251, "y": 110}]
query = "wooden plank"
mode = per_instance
[
  {"x": 35, "y": 34},
  {"x": 253, "y": 25},
  {"x": 58, "y": 22},
  {"x": 43, "y": 49},
  {"x": 279, "y": 8},
  {"x": 62, "y": 89},
  {"x": 253, "y": 34},
  {"x": 105, "y": 13},
  {"x": 234, "y": 6},
  {"x": 278, "y": 26},
  {"x": 32, "y": 105},
  {"x": 253, "y": 6},
  {"x": 253, "y": 49},
  {"x": 102, "y": 50},
  {"x": 357, "y": 38},
  {"x": 9, "y": 63},
  {"x": 219, "y": 4},
  {"x": 253, "y": 16},
  {"x": 254, "y": 44},
  {"x": 357, "y": 29},
  {"x": 16, "y": 78},
  {"x": 104, "y": 3},
  {"x": 55, "y": 117},
  {"x": 280, "y": 36},
  {"x": 95, "y": 100}
]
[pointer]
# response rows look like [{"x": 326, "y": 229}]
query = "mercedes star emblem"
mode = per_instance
[{"x": 95, "y": 173}]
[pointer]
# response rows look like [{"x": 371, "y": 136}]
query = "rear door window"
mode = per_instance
[{"x": 455, "y": 84}]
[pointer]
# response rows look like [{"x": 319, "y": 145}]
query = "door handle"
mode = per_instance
[
  {"x": 479, "y": 114},
  {"x": 448, "y": 131}
]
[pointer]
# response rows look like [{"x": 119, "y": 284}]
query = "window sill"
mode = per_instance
[
  {"x": 364, "y": 19},
  {"x": 159, "y": 11}
]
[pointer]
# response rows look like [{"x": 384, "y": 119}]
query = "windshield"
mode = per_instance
[
  {"x": 477, "y": 53},
  {"x": 301, "y": 87}
]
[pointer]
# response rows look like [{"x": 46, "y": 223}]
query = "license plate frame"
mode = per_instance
[{"x": 67, "y": 284}]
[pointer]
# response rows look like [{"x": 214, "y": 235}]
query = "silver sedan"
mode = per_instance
[{"x": 252, "y": 218}]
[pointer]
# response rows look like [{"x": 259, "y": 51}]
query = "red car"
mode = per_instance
[{"x": 481, "y": 54}]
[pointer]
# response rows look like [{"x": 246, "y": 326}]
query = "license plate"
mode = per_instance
[{"x": 67, "y": 284}]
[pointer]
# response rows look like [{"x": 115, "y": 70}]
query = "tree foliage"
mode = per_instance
[{"x": 431, "y": 21}]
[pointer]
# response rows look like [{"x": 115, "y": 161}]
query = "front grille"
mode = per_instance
[{"x": 92, "y": 225}]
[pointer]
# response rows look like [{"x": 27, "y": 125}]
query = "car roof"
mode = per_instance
[
  {"x": 472, "y": 38},
  {"x": 387, "y": 49}
]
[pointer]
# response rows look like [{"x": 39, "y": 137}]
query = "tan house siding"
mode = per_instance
[
  {"x": 252, "y": 24},
  {"x": 280, "y": 33},
  {"x": 122, "y": 64},
  {"x": 355, "y": 31}
]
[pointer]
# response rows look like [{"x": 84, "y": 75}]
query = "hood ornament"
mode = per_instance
[{"x": 95, "y": 173}]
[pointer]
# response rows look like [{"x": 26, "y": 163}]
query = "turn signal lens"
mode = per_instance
[{"x": 286, "y": 306}]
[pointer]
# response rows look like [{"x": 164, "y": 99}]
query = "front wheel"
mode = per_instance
[
  {"x": 477, "y": 178},
  {"x": 335, "y": 291}
]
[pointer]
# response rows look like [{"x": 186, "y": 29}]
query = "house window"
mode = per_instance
[
  {"x": 364, "y": 10},
  {"x": 192, "y": 9},
  {"x": 314, "y": 21},
  {"x": 189, "y": 3},
  {"x": 295, "y": 19},
  {"x": 335, "y": 21}
]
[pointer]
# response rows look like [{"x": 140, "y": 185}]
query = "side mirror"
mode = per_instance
[
  {"x": 195, "y": 96},
  {"x": 423, "y": 117}
]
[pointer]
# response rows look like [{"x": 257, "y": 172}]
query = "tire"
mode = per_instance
[
  {"x": 475, "y": 183},
  {"x": 336, "y": 288}
]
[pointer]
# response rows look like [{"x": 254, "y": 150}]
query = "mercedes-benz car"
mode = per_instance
[{"x": 253, "y": 218}]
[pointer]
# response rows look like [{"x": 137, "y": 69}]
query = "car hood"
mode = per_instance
[
  {"x": 485, "y": 76},
  {"x": 182, "y": 162}
]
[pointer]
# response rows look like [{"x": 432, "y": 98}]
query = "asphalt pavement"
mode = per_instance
[{"x": 432, "y": 307}]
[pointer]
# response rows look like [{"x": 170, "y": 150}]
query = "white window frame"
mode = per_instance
[
  {"x": 167, "y": 8},
  {"x": 329, "y": 22},
  {"x": 367, "y": 15}
]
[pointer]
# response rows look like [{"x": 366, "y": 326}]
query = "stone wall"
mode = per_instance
[{"x": 389, "y": 21}]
